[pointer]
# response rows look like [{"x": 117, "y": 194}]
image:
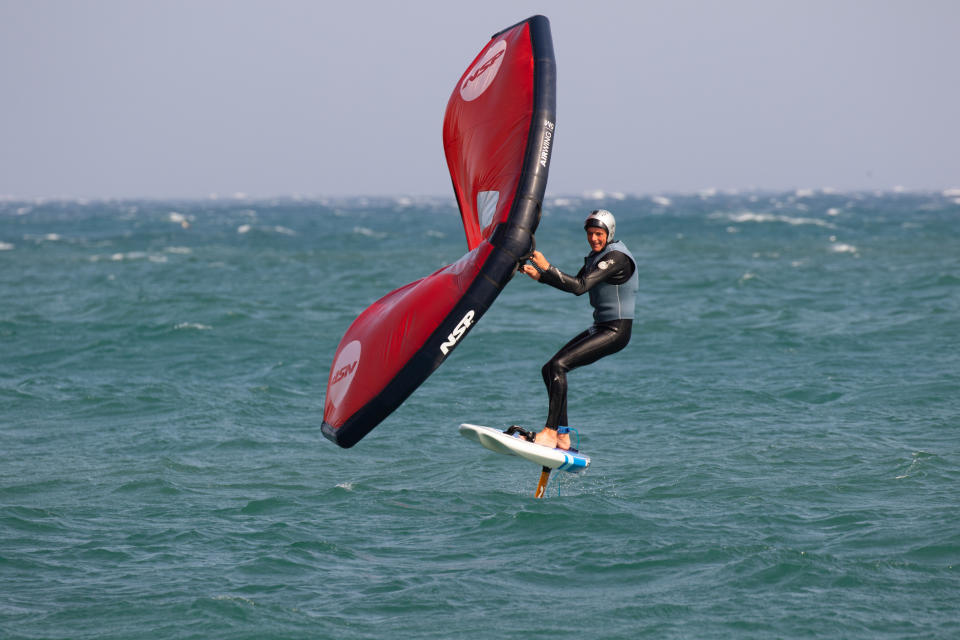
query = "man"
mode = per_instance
[{"x": 609, "y": 274}]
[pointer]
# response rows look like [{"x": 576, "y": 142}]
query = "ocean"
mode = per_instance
[{"x": 776, "y": 454}]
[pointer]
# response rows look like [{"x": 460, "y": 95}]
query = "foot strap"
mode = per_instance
[{"x": 572, "y": 449}]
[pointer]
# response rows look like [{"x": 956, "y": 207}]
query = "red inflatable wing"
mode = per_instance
[{"x": 497, "y": 135}]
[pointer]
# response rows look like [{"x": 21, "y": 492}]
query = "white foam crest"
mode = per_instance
[
  {"x": 233, "y": 598},
  {"x": 749, "y": 216},
  {"x": 600, "y": 194},
  {"x": 951, "y": 193},
  {"x": 47, "y": 237},
  {"x": 192, "y": 325},
  {"x": 370, "y": 233},
  {"x": 185, "y": 251},
  {"x": 178, "y": 218},
  {"x": 662, "y": 201},
  {"x": 134, "y": 255},
  {"x": 842, "y": 247},
  {"x": 247, "y": 228},
  {"x": 6, "y": 246}
]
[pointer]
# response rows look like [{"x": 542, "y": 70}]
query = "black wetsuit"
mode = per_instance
[{"x": 601, "y": 339}]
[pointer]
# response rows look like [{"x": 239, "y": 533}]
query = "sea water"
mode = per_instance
[{"x": 776, "y": 454}]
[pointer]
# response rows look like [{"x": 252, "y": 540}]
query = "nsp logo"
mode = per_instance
[
  {"x": 481, "y": 75},
  {"x": 343, "y": 371},
  {"x": 457, "y": 332}
]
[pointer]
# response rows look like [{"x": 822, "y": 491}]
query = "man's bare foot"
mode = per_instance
[
  {"x": 547, "y": 437},
  {"x": 552, "y": 438}
]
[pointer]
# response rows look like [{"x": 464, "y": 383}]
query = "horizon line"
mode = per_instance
[{"x": 595, "y": 194}]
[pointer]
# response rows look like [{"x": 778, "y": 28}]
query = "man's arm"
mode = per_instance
[{"x": 615, "y": 267}]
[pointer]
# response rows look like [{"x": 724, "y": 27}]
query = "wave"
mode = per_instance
[
  {"x": 842, "y": 247},
  {"x": 192, "y": 325},
  {"x": 749, "y": 216},
  {"x": 284, "y": 231},
  {"x": 370, "y": 233}
]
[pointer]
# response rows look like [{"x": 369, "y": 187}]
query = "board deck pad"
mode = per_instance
[{"x": 515, "y": 445}]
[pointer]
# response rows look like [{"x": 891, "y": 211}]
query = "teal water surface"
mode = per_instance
[{"x": 775, "y": 455}]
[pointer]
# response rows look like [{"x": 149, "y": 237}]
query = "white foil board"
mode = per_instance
[{"x": 515, "y": 445}]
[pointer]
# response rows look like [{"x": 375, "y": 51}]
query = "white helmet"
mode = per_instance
[{"x": 604, "y": 220}]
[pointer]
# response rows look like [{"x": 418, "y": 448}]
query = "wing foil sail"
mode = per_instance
[{"x": 497, "y": 135}]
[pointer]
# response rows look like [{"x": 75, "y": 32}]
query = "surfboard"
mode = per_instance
[{"x": 515, "y": 445}]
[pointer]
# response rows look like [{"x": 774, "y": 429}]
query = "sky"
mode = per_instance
[{"x": 273, "y": 98}]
